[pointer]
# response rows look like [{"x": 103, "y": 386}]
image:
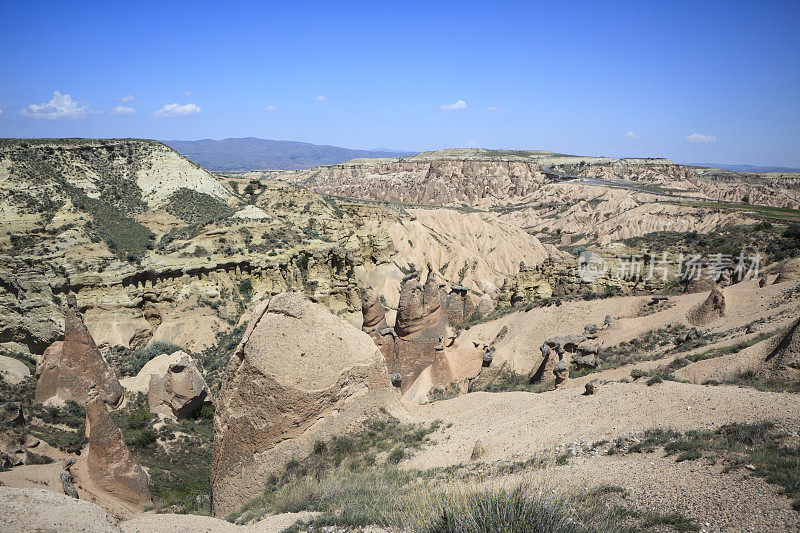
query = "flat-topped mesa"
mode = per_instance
[
  {"x": 110, "y": 464},
  {"x": 420, "y": 325},
  {"x": 72, "y": 367}
]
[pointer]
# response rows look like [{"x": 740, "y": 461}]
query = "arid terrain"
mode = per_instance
[{"x": 448, "y": 341}]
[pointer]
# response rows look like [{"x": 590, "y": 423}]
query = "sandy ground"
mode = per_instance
[
  {"x": 730, "y": 502},
  {"x": 181, "y": 523},
  {"x": 518, "y": 425}
]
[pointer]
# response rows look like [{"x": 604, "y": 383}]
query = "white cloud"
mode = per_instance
[
  {"x": 491, "y": 108},
  {"x": 128, "y": 98},
  {"x": 458, "y": 106},
  {"x": 700, "y": 138},
  {"x": 60, "y": 106},
  {"x": 123, "y": 110},
  {"x": 321, "y": 98},
  {"x": 187, "y": 93},
  {"x": 631, "y": 135},
  {"x": 270, "y": 108},
  {"x": 1, "y": 111},
  {"x": 177, "y": 110}
]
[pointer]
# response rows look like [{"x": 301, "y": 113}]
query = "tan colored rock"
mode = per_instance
[
  {"x": 485, "y": 305},
  {"x": 458, "y": 305},
  {"x": 375, "y": 325},
  {"x": 69, "y": 372},
  {"x": 299, "y": 375},
  {"x": 13, "y": 370},
  {"x": 109, "y": 463},
  {"x": 783, "y": 363},
  {"x": 561, "y": 371},
  {"x": 374, "y": 315},
  {"x": 790, "y": 271},
  {"x": 712, "y": 308},
  {"x": 140, "y": 383},
  {"x": 701, "y": 281},
  {"x": 179, "y": 391},
  {"x": 421, "y": 325},
  {"x": 45, "y": 511}
]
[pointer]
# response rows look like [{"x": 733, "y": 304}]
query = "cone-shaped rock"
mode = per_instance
[
  {"x": 712, "y": 308},
  {"x": 70, "y": 369},
  {"x": 421, "y": 323},
  {"x": 110, "y": 464}
]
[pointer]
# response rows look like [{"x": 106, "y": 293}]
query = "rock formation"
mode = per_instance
[
  {"x": 420, "y": 326},
  {"x": 13, "y": 370},
  {"x": 110, "y": 464},
  {"x": 458, "y": 305},
  {"x": 783, "y": 363},
  {"x": 712, "y": 308},
  {"x": 69, "y": 372},
  {"x": 300, "y": 374},
  {"x": 39, "y": 510},
  {"x": 179, "y": 391},
  {"x": 374, "y": 324},
  {"x": 790, "y": 271},
  {"x": 561, "y": 372}
]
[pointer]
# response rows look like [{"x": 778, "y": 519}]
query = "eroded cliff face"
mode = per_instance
[
  {"x": 633, "y": 169},
  {"x": 436, "y": 182},
  {"x": 157, "y": 248}
]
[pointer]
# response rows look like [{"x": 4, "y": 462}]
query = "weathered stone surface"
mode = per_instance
[
  {"x": 790, "y": 271},
  {"x": 561, "y": 372},
  {"x": 180, "y": 390},
  {"x": 420, "y": 325},
  {"x": 300, "y": 374},
  {"x": 712, "y": 308},
  {"x": 13, "y": 370},
  {"x": 110, "y": 464},
  {"x": 69, "y": 372},
  {"x": 458, "y": 305},
  {"x": 374, "y": 324},
  {"x": 783, "y": 363},
  {"x": 39, "y": 511},
  {"x": 485, "y": 305}
]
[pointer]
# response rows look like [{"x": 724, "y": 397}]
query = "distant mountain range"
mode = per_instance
[
  {"x": 249, "y": 153},
  {"x": 747, "y": 168}
]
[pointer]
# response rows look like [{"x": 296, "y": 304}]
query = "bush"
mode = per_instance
[
  {"x": 246, "y": 287},
  {"x": 397, "y": 455},
  {"x": 142, "y": 356}
]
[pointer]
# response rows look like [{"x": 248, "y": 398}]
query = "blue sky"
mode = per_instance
[{"x": 693, "y": 81}]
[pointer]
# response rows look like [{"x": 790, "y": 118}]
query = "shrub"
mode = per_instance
[
  {"x": 397, "y": 455},
  {"x": 246, "y": 287}
]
